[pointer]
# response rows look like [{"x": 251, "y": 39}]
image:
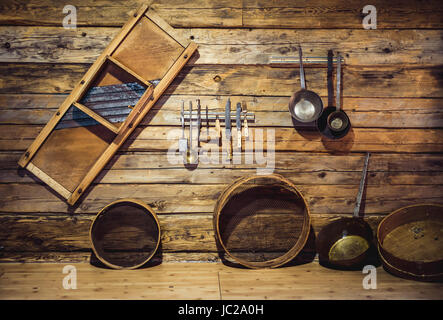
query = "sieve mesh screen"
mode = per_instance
[
  {"x": 261, "y": 219},
  {"x": 125, "y": 234}
]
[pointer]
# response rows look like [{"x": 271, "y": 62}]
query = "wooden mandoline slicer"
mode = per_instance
[{"x": 107, "y": 104}]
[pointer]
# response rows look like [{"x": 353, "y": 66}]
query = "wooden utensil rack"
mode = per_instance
[
  {"x": 83, "y": 135},
  {"x": 212, "y": 116}
]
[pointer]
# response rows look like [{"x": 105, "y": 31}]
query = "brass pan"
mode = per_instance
[{"x": 410, "y": 242}]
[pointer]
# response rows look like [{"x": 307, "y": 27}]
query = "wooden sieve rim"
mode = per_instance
[
  {"x": 103, "y": 211},
  {"x": 276, "y": 262},
  {"x": 418, "y": 270}
]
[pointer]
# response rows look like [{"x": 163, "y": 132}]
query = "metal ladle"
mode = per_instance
[
  {"x": 330, "y": 131},
  {"x": 338, "y": 120},
  {"x": 191, "y": 154}
]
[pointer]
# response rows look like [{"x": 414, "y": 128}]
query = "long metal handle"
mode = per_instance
[
  {"x": 238, "y": 124},
  {"x": 361, "y": 187},
  {"x": 329, "y": 75},
  {"x": 198, "y": 121},
  {"x": 337, "y": 98},
  {"x": 238, "y": 115},
  {"x": 218, "y": 129},
  {"x": 182, "y": 118},
  {"x": 302, "y": 72},
  {"x": 245, "y": 120},
  {"x": 207, "y": 123},
  {"x": 190, "y": 126},
  {"x": 228, "y": 115},
  {"x": 228, "y": 127}
]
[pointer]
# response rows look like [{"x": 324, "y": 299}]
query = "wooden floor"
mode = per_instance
[{"x": 207, "y": 281}]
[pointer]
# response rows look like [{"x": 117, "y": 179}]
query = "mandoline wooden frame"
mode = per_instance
[{"x": 122, "y": 132}]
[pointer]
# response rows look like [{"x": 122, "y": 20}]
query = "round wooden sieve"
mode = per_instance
[
  {"x": 410, "y": 242},
  {"x": 261, "y": 221},
  {"x": 125, "y": 234}
]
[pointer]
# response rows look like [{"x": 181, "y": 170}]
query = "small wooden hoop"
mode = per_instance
[{"x": 104, "y": 210}]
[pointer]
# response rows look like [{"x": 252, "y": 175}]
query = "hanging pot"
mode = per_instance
[
  {"x": 334, "y": 123},
  {"x": 305, "y": 105}
]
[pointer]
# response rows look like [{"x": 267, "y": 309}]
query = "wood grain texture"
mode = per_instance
[
  {"x": 205, "y": 281},
  {"x": 176, "y": 281},
  {"x": 310, "y": 281},
  {"x": 162, "y": 138},
  {"x": 85, "y": 256},
  {"x": 179, "y": 233},
  {"x": 230, "y": 13},
  {"x": 382, "y": 81},
  {"x": 324, "y": 14},
  {"x": 231, "y": 46},
  {"x": 189, "y": 198},
  {"x": 288, "y": 161},
  {"x": 33, "y": 109}
]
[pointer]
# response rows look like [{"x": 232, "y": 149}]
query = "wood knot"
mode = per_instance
[{"x": 160, "y": 204}]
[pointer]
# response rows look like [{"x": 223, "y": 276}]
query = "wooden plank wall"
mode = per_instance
[{"x": 392, "y": 91}]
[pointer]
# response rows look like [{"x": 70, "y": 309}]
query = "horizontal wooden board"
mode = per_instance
[
  {"x": 327, "y": 14},
  {"x": 304, "y": 168},
  {"x": 85, "y": 256},
  {"x": 232, "y": 46},
  {"x": 269, "y": 111},
  {"x": 116, "y": 13},
  {"x": 154, "y": 281},
  {"x": 163, "y": 138},
  {"x": 358, "y": 81},
  {"x": 62, "y": 233},
  {"x": 297, "y": 161},
  {"x": 230, "y": 13},
  {"x": 192, "y": 198},
  {"x": 212, "y": 281},
  {"x": 168, "y": 102},
  {"x": 307, "y": 169},
  {"x": 312, "y": 281},
  {"x": 215, "y": 176}
]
